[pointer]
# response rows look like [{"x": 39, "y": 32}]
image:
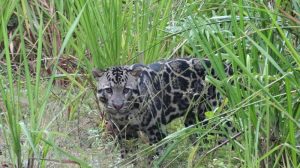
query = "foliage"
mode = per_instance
[{"x": 47, "y": 46}]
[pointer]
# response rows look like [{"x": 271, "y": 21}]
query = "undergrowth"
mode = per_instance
[{"x": 48, "y": 110}]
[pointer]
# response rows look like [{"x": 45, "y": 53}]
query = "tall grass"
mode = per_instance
[
  {"x": 264, "y": 51},
  {"x": 260, "y": 40},
  {"x": 126, "y": 31},
  {"x": 37, "y": 91}
]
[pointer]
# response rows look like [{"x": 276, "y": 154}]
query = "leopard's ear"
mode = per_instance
[
  {"x": 97, "y": 73},
  {"x": 136, "y": 69}
]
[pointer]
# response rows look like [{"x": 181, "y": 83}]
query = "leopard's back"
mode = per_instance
[{"x": 183, "y": 86}]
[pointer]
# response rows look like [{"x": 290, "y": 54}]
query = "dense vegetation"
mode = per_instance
[{"x": 48, "y": 112}]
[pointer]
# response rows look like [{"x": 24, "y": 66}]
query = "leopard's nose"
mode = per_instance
[{"x": 118, "y": 106}]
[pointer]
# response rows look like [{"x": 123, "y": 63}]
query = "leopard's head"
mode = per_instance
[{"x": 117, "y": 88}]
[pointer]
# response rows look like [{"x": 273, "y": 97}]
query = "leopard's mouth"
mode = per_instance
[{"x": 122, "y": 111}]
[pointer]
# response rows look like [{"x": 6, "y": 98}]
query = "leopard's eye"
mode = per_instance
[
  {"x": 108, "y": 90},
  {"x": 126, "y": 90},
  {"x": 99, "y": 91}
]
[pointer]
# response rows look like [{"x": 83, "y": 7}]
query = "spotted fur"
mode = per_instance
[{"x": 147, "y": 97}]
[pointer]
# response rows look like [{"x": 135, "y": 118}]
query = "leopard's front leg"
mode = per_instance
[
  {"x": 155, "y": 134},
  {"x": 125, "y": 135}
]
